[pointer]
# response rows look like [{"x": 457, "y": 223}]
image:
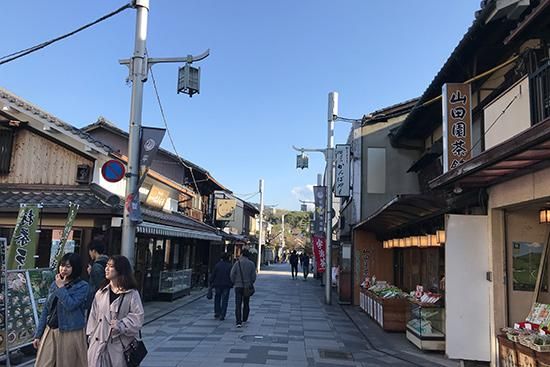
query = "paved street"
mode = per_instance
[{"x": 289, "y": 326}]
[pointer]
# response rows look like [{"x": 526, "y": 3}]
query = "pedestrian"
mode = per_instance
[
  {"x": 60, "y": 337},
  {"x": 243, "y": 275},
  {"x": 294, "y": 264},
  {"x": 220, "y": 280},
  {"x": 305, "y": 265},
  {"x": 96, "y": 269},
  {"x": 116, "y": 316}
]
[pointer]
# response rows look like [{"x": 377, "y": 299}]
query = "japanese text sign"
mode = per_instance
[
  {"x": 60, "y": 251},
  {"x": 342, "y": 184},
  {"x": 319, "y": 250},
  {"x": 457, "y": 125},
  {"x": 320, "y": 196},
  {"x": 25, "y": 238}
]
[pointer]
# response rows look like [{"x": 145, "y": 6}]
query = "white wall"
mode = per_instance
[{"x": 516, "y": 119}]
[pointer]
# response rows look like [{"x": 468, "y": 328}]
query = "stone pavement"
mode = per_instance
[{"x": 289, "y": 325}]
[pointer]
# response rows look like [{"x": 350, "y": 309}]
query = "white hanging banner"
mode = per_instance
[{"x": 342, "y": 176}]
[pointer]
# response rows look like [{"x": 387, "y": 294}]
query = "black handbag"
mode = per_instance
[
  {"x": 135, "y": 352},
  {"x": 248, "y": 290}
]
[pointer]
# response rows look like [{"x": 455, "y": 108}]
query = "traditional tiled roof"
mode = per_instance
[
  {"x": 90, "y": 198},
  {"x": 40, "y": 113}
]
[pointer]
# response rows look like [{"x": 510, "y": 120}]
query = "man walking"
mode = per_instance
[
  {"x": 96, "y": 268},
  {"x": 305, "y": 265},
  {"x": 220, "y": 280},
  {"x": 243, "y": 275},
  {"x": 294, "y": 264}
]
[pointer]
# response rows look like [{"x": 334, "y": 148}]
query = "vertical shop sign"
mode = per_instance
[
  {"x": 457, "y": 125},
  {"x": 320, "y": 196},
  {"x": 342, "y": 173},
  {"x": 3, "y": 297},
  {"x": 23, "y": 242},
  {"x": 319, "y": 250},
  {"x": 73, "y": 210}
]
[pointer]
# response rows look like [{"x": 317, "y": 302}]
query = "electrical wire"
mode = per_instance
[
  {"x": 170, "y": 135},
  {"x": 493, "y": 123},
  {"x": 16, "y": 55}
]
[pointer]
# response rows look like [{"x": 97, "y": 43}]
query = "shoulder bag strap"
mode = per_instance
[{"x": 117, "y": 312}]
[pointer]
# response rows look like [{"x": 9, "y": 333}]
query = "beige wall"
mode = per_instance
[{"x": 516, "y": 119}]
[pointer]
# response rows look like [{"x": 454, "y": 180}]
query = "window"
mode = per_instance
[
  {"x": 376, "y": 170},
  {"x": 526, "y": 260},
  {"x": 6, "y": 143}
]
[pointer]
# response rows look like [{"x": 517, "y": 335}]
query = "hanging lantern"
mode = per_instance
[
  {"x": 424, "y": 241},
  {"x": 408, "y": 241},
  {"x": 402, "y": 242},
  {"x": 440, "y": 236},
  {"x": 544, "y": 216},
  {"x": 416, "y": 240},
  {"x": 433, "y": 240}
]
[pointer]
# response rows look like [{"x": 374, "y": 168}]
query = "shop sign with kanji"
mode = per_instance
[
  {"x": 457, "y": 125},
  {"x": 342, "y": 170}
]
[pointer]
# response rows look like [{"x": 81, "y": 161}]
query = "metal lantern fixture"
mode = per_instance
[
  {"x": 544, "y": 216},
  {"x": 302, "y": 161},
  {"x": 189, "y": 80}
]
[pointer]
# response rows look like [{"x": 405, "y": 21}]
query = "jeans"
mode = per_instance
[
  {"x": 294, "y": 269},
  {"x": 242, "y": 305},
  {"x": 306, "y": 271},
  {"x": 220, "y": 301}
]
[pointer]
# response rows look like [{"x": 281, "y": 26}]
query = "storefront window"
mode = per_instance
[{"x": 526, "y": 261}]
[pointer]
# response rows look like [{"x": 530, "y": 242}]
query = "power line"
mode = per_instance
[
  {"x": 170, "y": 135},
  {"x": 16, "y": 55}
]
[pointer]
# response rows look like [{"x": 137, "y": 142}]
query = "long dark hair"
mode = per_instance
[
  {"x": 75, "y": 262},
  {"x": 125, "y": 278}
]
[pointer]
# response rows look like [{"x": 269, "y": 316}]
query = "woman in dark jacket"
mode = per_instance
[{"x": 60, "y": 337}]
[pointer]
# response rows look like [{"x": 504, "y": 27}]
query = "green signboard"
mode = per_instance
[
  {"x": 73, "y": 210},
  {"x": 25, "y": 238}
]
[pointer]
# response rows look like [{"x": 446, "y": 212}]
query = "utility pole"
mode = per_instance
[
  {"x": 332, "y": 113},
  {"x": 261, "y": 234},
  {"x": 138, "y": 75},
  {"x": 139, "y": 67},
  {"x": 283, "y": 231}
]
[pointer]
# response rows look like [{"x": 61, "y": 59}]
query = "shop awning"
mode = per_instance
[
  {"x": 524, "y": 153},
  {"x": 403, "y": 211},
  {"x": 170, "y": 231}
]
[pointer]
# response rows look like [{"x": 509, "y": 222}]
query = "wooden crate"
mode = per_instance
[
  {"x": 543, "y": 359},
  {"x": 526, "y": 356},
  {"x": 507, "y": 352},
  {"x": 390, "y": 314}
]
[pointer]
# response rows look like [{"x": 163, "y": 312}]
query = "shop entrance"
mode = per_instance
[{"x": 524, "y": 245}]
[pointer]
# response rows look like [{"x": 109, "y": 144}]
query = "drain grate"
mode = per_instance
[{"x": 335, "y": 354}]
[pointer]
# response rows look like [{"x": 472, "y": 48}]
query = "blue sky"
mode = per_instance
[{"x": 264, "y": 87}]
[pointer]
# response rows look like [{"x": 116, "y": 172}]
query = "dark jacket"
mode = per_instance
[
  {"x": 71, "y": 304},
  {"x": 293, "y": 259},
  {"x": 220, "y": 277},
  {"x": 97, "y": 277},
  {"x": 248, "y": 276}
]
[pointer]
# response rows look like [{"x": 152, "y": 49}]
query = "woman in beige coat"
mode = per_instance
[{"x": 116, "y": 315}]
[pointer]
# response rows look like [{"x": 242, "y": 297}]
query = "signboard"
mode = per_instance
[
  {"x": 151, "y": 137},
  {"x": 320, "y": 196},
  {"x": 113, "y": 171},
  {"x": 342, "y": 172},
  {"x": 73, "y": 210},
  {"x": 319, "y": 250},
  {"x": 457, "y": 125},
  {"x": 157, "y": 197},
  {"x": 3, "y": 287},
  {"x": 225, "y": 209},
  {"x": 25, "y": 238}
]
